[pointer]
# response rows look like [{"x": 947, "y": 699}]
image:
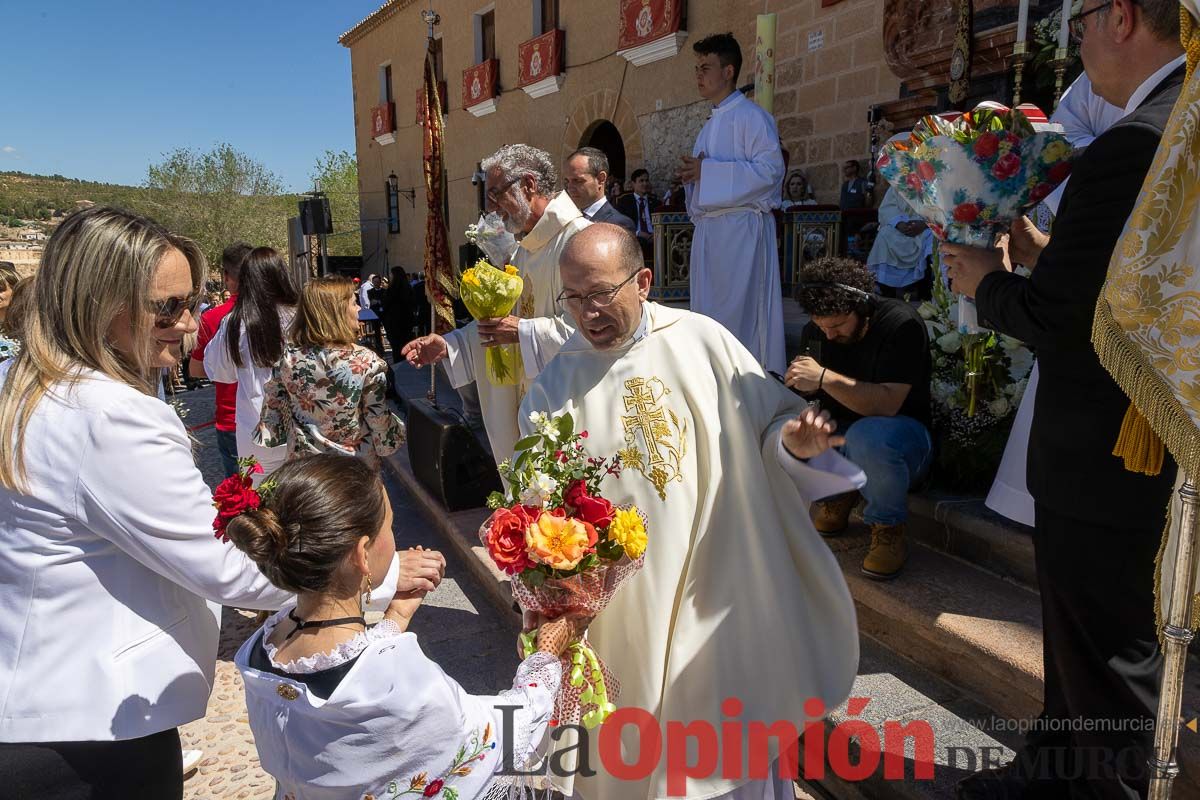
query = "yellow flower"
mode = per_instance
[
  {"x": 470, "y": 278},
  {"x": 559, "y": 542},
  {"x": 1056, "y": 151},
  {"x": 510, "y": 269},
  {"x": 628, "y": 530}
]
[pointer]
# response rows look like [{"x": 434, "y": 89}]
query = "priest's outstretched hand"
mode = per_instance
[
  {"x": 811, "y": 434},
  {"x": 425, "y": 351}
]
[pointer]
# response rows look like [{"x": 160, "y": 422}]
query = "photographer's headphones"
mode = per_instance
[{"x": 865, "y": 306}]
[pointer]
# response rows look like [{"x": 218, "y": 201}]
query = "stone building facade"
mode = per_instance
[{"x": 620, "y": 77}]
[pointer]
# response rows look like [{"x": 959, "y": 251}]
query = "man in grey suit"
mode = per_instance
[{"x": 585, "y": 173}]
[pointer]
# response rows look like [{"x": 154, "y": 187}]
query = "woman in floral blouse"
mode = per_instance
[{"x": 327, "y": 394}]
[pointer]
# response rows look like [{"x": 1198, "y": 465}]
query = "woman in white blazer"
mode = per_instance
[
  {"x": 250, "y": 342},
  {"x": 109, "y": 571}
]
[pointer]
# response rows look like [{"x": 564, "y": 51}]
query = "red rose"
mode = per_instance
[
  {"x": 987, "y": 145},
  {"x": 1040, "y": 192},
  {"x": 434, "y": 788},
  {"x": 593, "y": 510},
  {"x": 966, "y": 212},
  {"x": 506, "y": 539},
  {"x": 1060, "y": 172},
  {"x": 233, "y": 496},
  {"x": 914, "y": 181},
  {"x": 1007, "y": 166},
  {"x": 926, "y": 171}
]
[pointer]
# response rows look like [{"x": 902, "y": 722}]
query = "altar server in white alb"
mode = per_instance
[
  {"x": 739, "y": 597},
  {"x": 732, "y": 183}
]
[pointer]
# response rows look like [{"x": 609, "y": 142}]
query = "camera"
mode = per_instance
[{"x": 478, "y": 178}]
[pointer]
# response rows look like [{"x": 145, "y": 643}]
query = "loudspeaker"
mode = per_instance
[
  {"x": 447, "y": 459},
  {"x": 315, "y": 218}
]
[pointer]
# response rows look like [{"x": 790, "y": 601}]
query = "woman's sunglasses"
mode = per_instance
[{"x": 168, "y": 312}]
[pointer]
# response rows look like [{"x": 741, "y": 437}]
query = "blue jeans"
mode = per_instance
[
  {"x": 227, "y": 447},
  {"x": 895, "y": 453}
]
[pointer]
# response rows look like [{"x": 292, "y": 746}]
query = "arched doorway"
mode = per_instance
[{"x": 603, "y": 135}]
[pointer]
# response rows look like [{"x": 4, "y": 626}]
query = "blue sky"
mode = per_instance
[{"x": 100, "y": 90}]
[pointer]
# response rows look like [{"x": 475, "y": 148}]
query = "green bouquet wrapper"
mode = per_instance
[{"x": 491, "y": 293}]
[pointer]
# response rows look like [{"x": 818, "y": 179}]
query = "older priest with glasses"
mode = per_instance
[{"x": 521, "y": 184}]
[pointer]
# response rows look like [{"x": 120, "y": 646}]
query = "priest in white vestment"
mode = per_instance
[
  {"x": 739, "y": 597},
  {"x": 520, "y": 187},
  {"x": 732, "y": 184}
]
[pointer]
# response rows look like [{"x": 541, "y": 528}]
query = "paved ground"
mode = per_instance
[{"x": 457, "y": 628}]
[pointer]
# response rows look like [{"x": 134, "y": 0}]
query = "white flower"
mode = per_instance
[
  {"x": 1009, "y": 343},
  {"x": 538, "y": 419},
  {"x": 539, "y": 490},
  {"x": 950, "y": 342},
  {"x": 926, "y": 310},
  {"x": 998, "y": 407},
  {"x": 1020, "y": 363}
]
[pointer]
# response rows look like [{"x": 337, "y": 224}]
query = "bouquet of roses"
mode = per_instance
[
  {"x": 567, "y": 548},
  {"x": 490, "y": 290},
  {"x": 970, "y": 175}
]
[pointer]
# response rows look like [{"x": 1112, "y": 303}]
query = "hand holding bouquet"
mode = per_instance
[
  {"x": 567, "y": 549},
  {"x": 971, "y": 175}
]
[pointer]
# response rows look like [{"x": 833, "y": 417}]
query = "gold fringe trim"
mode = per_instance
[
  {"x": 1189, "y": 37},
  {"x": 1138, "y": 446}
]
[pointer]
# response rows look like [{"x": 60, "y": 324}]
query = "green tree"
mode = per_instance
[
  {"x": 337, "y": 175},
  {"x": 217, "y": 197}
]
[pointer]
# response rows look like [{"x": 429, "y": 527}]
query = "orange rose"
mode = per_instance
[{"x": 559, "y": 542}]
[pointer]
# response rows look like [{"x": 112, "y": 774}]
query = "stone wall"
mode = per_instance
[
  {"x": 823, "y": 93},
  {"x": 667, "y": 136}
]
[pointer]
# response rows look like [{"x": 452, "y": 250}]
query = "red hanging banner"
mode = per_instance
[
  {"x": 644, "y": 21},
  {"x": 383, "y": 119},
  {"x": 479, "y": 82},
  {"x": 540, "y": 58},
  {"x": 440, "y": 285}
]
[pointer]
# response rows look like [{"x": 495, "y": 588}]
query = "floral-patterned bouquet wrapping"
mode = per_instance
[
  {"x": 567, "y": 548},
  {"x": 970, "y": 175},
  {"x": 490, "y": 290}
]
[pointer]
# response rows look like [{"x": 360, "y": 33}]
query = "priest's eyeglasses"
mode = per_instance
[
  {"x": 600, "y": 299},
  {"x": 498, "y": 192},
  {"x": 1076, "y": 22}
]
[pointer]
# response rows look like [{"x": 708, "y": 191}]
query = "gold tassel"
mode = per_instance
[{"x": 1139, "y": 445}]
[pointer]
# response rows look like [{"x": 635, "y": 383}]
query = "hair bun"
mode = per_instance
[{"x": 259, "y": 534}]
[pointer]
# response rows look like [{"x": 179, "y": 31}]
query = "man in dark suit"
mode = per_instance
[
  {"x": 585, "y": 174},
  {"x": 1098, "y": 526},
  {"x": 638, "y": 205}
]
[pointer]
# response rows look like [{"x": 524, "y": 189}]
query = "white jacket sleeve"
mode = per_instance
[
  {"x": 217, "y": 364},
  {"x": 460, "y": 354},
  {"x": 140, "y": 489}
]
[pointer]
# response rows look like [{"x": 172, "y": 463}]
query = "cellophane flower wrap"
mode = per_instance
[
  {"x": 490, "y": 289},
  {"x": 970, "y": 175},
  {"x": 567, "y": 548}
]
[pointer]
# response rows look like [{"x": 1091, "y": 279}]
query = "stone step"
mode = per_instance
[{"x": 965, "y": 528}]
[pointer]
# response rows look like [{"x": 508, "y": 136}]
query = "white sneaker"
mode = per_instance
[{"x": 191, "y": 759}]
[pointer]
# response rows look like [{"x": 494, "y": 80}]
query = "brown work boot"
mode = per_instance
[
  {"x": 830, "y": 517},
  {"x": 888, "y": 552}
]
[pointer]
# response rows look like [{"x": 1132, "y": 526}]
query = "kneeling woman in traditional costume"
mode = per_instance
[{"x": 343, "y": 710}]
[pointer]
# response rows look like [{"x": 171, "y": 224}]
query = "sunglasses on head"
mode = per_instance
[{"x": 168, "y": 312}]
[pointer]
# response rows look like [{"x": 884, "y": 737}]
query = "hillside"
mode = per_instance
[{"x": 39, "y": 196}]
